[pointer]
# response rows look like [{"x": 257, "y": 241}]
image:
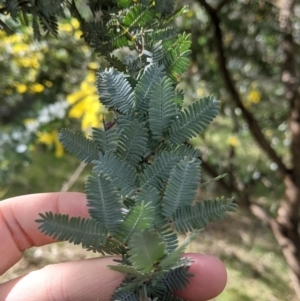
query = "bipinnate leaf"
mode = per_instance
[
  {"x": 159, "y": 170},
  {"x": 115, "y": 91},
  {"x": 174, "y": 257},
  {"x": 148, "y": 195},
  {"x": 144, "y": 88},
  {"x": 83, "y": 148},
  {"x": 107, "y": 141},
  {"x": 177, "y": 60},
  {"x": 169, "y": 237},
  {"x": 78, "y": 230},
  {"x": 165, "y": 6},
  {"x": 103, "y": 202},
  {"x": 133, "y": 142},
  {"x": 138, "y": 218},
  {"x": 181, "y": 186},
  {"x": 177, "y": 279},
  {"x": 187, "y": 218},
  {"x": 122, "y": 174},
  {"x": 146, "y": 250},
  {"x": 126, "y": 269},
  {"x": 193, "y": 120},
  {"x": 162, "y": 107}
]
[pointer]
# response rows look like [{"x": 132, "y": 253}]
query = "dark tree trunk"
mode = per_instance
[{"x": 286, "y": 226}]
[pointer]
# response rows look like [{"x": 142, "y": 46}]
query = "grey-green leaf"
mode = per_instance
[
  {"x": 83, "y": 148},
  {"x": 146, "y": 250},
  {"x": 133, "y": 142},
  {"x": 122, "y": 174},
  {"x": 187, "y": 218},
  {"x": 78, "y": 230},
  {"x": 115, "y": 91},
  {"x": 138, "y": 218},
  {"x": 162, "y": 107},
  {"x": 103, "y": 202},
  {"x": 181, "y": 186},
  {"x": 193, "y": 120}
]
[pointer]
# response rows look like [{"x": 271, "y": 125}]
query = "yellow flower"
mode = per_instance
[
  {"x": 77, "y": 110},
  {"x": 233, "y": 141},
  {"x": 47, "y": 138},
  {"x": 93, "y": 66},
  {"x": 36, "y": 88},
  {"x": 17, "y": 48},
  {"x": 51, "y": 139},
  {"x": 74, "y": 97},
  {"x": 254, "y": 96},
  {"x": 75, "y": 23},
  {"x": 48, "y": 83},
  {"x": 21, "y": 88},
  {"x": 66, "y": 27},
  {"x": 78, "y": 34}
]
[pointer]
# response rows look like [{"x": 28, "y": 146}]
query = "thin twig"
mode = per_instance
[{"x": 67, "y": 185}]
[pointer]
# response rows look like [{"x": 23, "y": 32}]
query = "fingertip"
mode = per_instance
[{"x": 209, "y": 280}]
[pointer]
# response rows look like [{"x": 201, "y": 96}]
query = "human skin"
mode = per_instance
[{"x": 81, "y": 280}]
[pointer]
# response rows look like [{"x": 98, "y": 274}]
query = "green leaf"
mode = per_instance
[
  {"x": 114, "y": 90},
  {"x": 133, "y": 142},
  {"x": 122, "y": 174},
  {"x": 165, "y": 7},
  {"x": 176, "y": 60},
  {"x": 138, "y": 15},
  {"x": 145, "y": 85},
  {"x": 162, "y": 107},
  {"x": 107, "y": 141},
  {"x": 103, "y": 202},
  {"x": 138, "y": 218},
  {"x": 177, "y": 279},
  {"x": 126, "y": 269},
  {"x": 193, "y": 120},
  {"x": 78, "y": 230},
  {"x": 111, "y": 248},
  {"x": 187, "y": 218},
  {"x": 181, "y": 186},
  {"x": 174, "y": 257},
  {"x": 158, "y": 171},
  {"x": 148, "y": 195},
  {"x": 146, "y": 250},
  {"x": 169, "y": 237},
  {"x": 84, "y": 149}
]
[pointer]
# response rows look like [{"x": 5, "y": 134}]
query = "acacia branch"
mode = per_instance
[{"x": 232, "y": 91}]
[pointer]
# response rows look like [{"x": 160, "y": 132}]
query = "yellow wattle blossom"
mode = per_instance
[
  {"x": 36, "y": 88},
  {"x": 21, "y": 47},
  {"x": 51, "y": 140},
  {"x": 233, "y": 141},
  {"x": 21, "y": 88},
  {"x": 75, "y": 23},
  {"x": 48, "y": 83},
  {"x": 86, "y": 105},
  {"x": 66, "y": 27},
  {"x": 254, "y": 96}
]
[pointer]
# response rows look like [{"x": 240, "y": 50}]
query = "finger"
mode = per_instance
[
  {"x": 18, "y": 228},
  {"x": 81, "y": 280},
  {"x": 209, "y": 279},
  {"x": 91, "y": 279}
]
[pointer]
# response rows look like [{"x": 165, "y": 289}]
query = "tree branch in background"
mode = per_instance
[
  {"x": 230, "y": 86},
  {"x": 285, "y": 225}
]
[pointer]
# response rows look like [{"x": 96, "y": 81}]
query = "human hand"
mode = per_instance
[{"x": 81, "y": 280}]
